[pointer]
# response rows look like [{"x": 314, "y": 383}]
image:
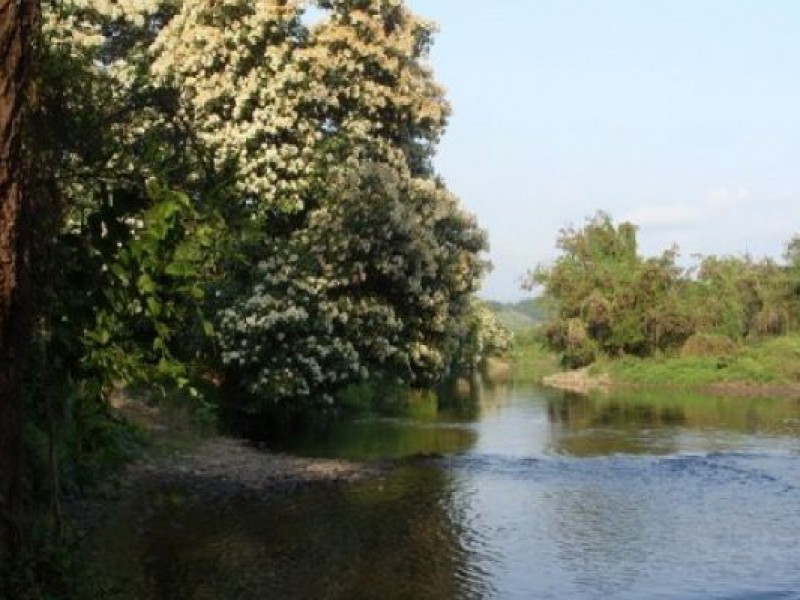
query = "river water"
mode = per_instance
[{"x": 517, "y": 492}]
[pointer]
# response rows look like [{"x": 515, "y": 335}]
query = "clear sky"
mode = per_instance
[{"x": 682, "y": 116}]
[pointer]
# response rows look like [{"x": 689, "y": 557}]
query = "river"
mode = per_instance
[{"x": 518, "y": 492}]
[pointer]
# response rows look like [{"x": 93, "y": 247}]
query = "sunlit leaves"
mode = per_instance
[{"x": 609, "y": 299}]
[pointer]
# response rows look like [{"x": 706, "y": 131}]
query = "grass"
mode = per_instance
[
  {"x": 531, "y": 359},
  {"x": 775, "y": 361}
]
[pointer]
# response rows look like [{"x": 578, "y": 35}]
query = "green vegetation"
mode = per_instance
[
  {"x": 227, "y": 203},
  {"x": 520, "y": 315},
  {"x": 775, "y": 361},
  {"x": 727, "y": 319},
  {"x": 532, "y": 359},
  {"x": 235, "y": 211}
]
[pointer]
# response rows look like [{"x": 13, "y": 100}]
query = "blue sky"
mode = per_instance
[{"x": 680, "y": 115}]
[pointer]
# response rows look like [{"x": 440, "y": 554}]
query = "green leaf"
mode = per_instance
[
  {"x": 146, "y": 284},
  {"x": 208, "y": 328},
  {"x": 121, "y": 273},
  {"x": 154, "y": 306},
  {"x": 180, "y": 269}
]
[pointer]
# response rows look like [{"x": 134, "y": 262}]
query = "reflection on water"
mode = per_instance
[
  {"x": 378, "y": 539},
  {"x": 529, "y": 494},
  {"x": 668, "y": 422}
]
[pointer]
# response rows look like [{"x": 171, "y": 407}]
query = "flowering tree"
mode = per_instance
[
  {"x": 340, "y": 254},
  {"x": 483, "y": 335},
  {"x": 374, "y": 284}
]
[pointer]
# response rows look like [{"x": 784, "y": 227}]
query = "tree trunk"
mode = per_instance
[{"x": 18, "y": 22}]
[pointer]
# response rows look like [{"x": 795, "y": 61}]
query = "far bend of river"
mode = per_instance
[{"x": 523, "y": 493}]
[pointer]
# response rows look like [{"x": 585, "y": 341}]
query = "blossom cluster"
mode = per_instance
[{"x": 372, "y": 285}]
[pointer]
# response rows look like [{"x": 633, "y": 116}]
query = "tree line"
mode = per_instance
[{"x": 606, "y": 299}]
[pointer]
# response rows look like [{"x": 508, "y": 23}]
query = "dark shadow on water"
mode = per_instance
[
  {"x": 393, "y": 538},
  {"x": 396, "y": 424}
]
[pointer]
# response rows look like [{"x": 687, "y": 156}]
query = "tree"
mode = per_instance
[
  {"x": 376, "y": 283},
  {"x": 18, "y": 30},
  {"x": 591, "y": 283},
  {"x": 483, "y": 336},
  {"x": 792, "y": 256},
  {"x": 607, "y": 298},
  {"x": 309, "y": 148},
  {"x": 358, "y": 260}
]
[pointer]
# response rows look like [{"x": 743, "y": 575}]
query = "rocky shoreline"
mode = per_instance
[
  {"x": 578, "y": 381},
  {"x": 208, "y": 469},
  {"x": 223, "y": 462},
  {"x": 218, "y": 471}
]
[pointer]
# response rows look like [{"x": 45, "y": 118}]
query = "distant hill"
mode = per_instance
[{"x": 519, "y": 315}]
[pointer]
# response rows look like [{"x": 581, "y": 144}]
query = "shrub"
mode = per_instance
[{"x": 709, "y": 344}]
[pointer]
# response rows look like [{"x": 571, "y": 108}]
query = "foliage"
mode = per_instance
[
  {"x": 327, "y": 139},
  {"x": 331, "y": 307},
  {"x": 708, "y": 344},
  {"x": 52, "y": 566},
  {"x": 241, "y": 197},
  {"x": 532, "y": 359},
  {"x": 483, "y": 336},
  {"x": 610, "y": 301},
  {"x": 134, "y": 264},
  {"x": 266, "y": 95},
  {"x": 290, "y": 142},
  {"x": 520, "y": 315}
]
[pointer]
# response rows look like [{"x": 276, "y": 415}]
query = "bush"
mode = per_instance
[
  {"x": 709, "y": 344},
  {"x": 579, "y": 354}
]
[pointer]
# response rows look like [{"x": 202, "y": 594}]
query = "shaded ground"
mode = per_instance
[
  {"x": 209, "y": 466},
  {"x": 221, "y": 465}
]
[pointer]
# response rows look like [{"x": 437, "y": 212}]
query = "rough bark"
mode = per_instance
[{"x": 18, "y": 22}]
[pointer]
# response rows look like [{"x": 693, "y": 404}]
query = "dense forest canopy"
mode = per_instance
[{"x": 607, "y": 299}]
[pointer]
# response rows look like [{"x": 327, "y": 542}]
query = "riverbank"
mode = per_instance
[
  {"x": 583, "y": 381},
  {"x": 227, "y": 466},
  {"x": 580, "y": 381},
  {"x": 437, "y": 527},
  {"x": 767, "y": 368},
  {"x": 178, "y": 455}
]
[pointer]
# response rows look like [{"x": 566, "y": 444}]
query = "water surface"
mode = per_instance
[{"x": 518, "y": 493}]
